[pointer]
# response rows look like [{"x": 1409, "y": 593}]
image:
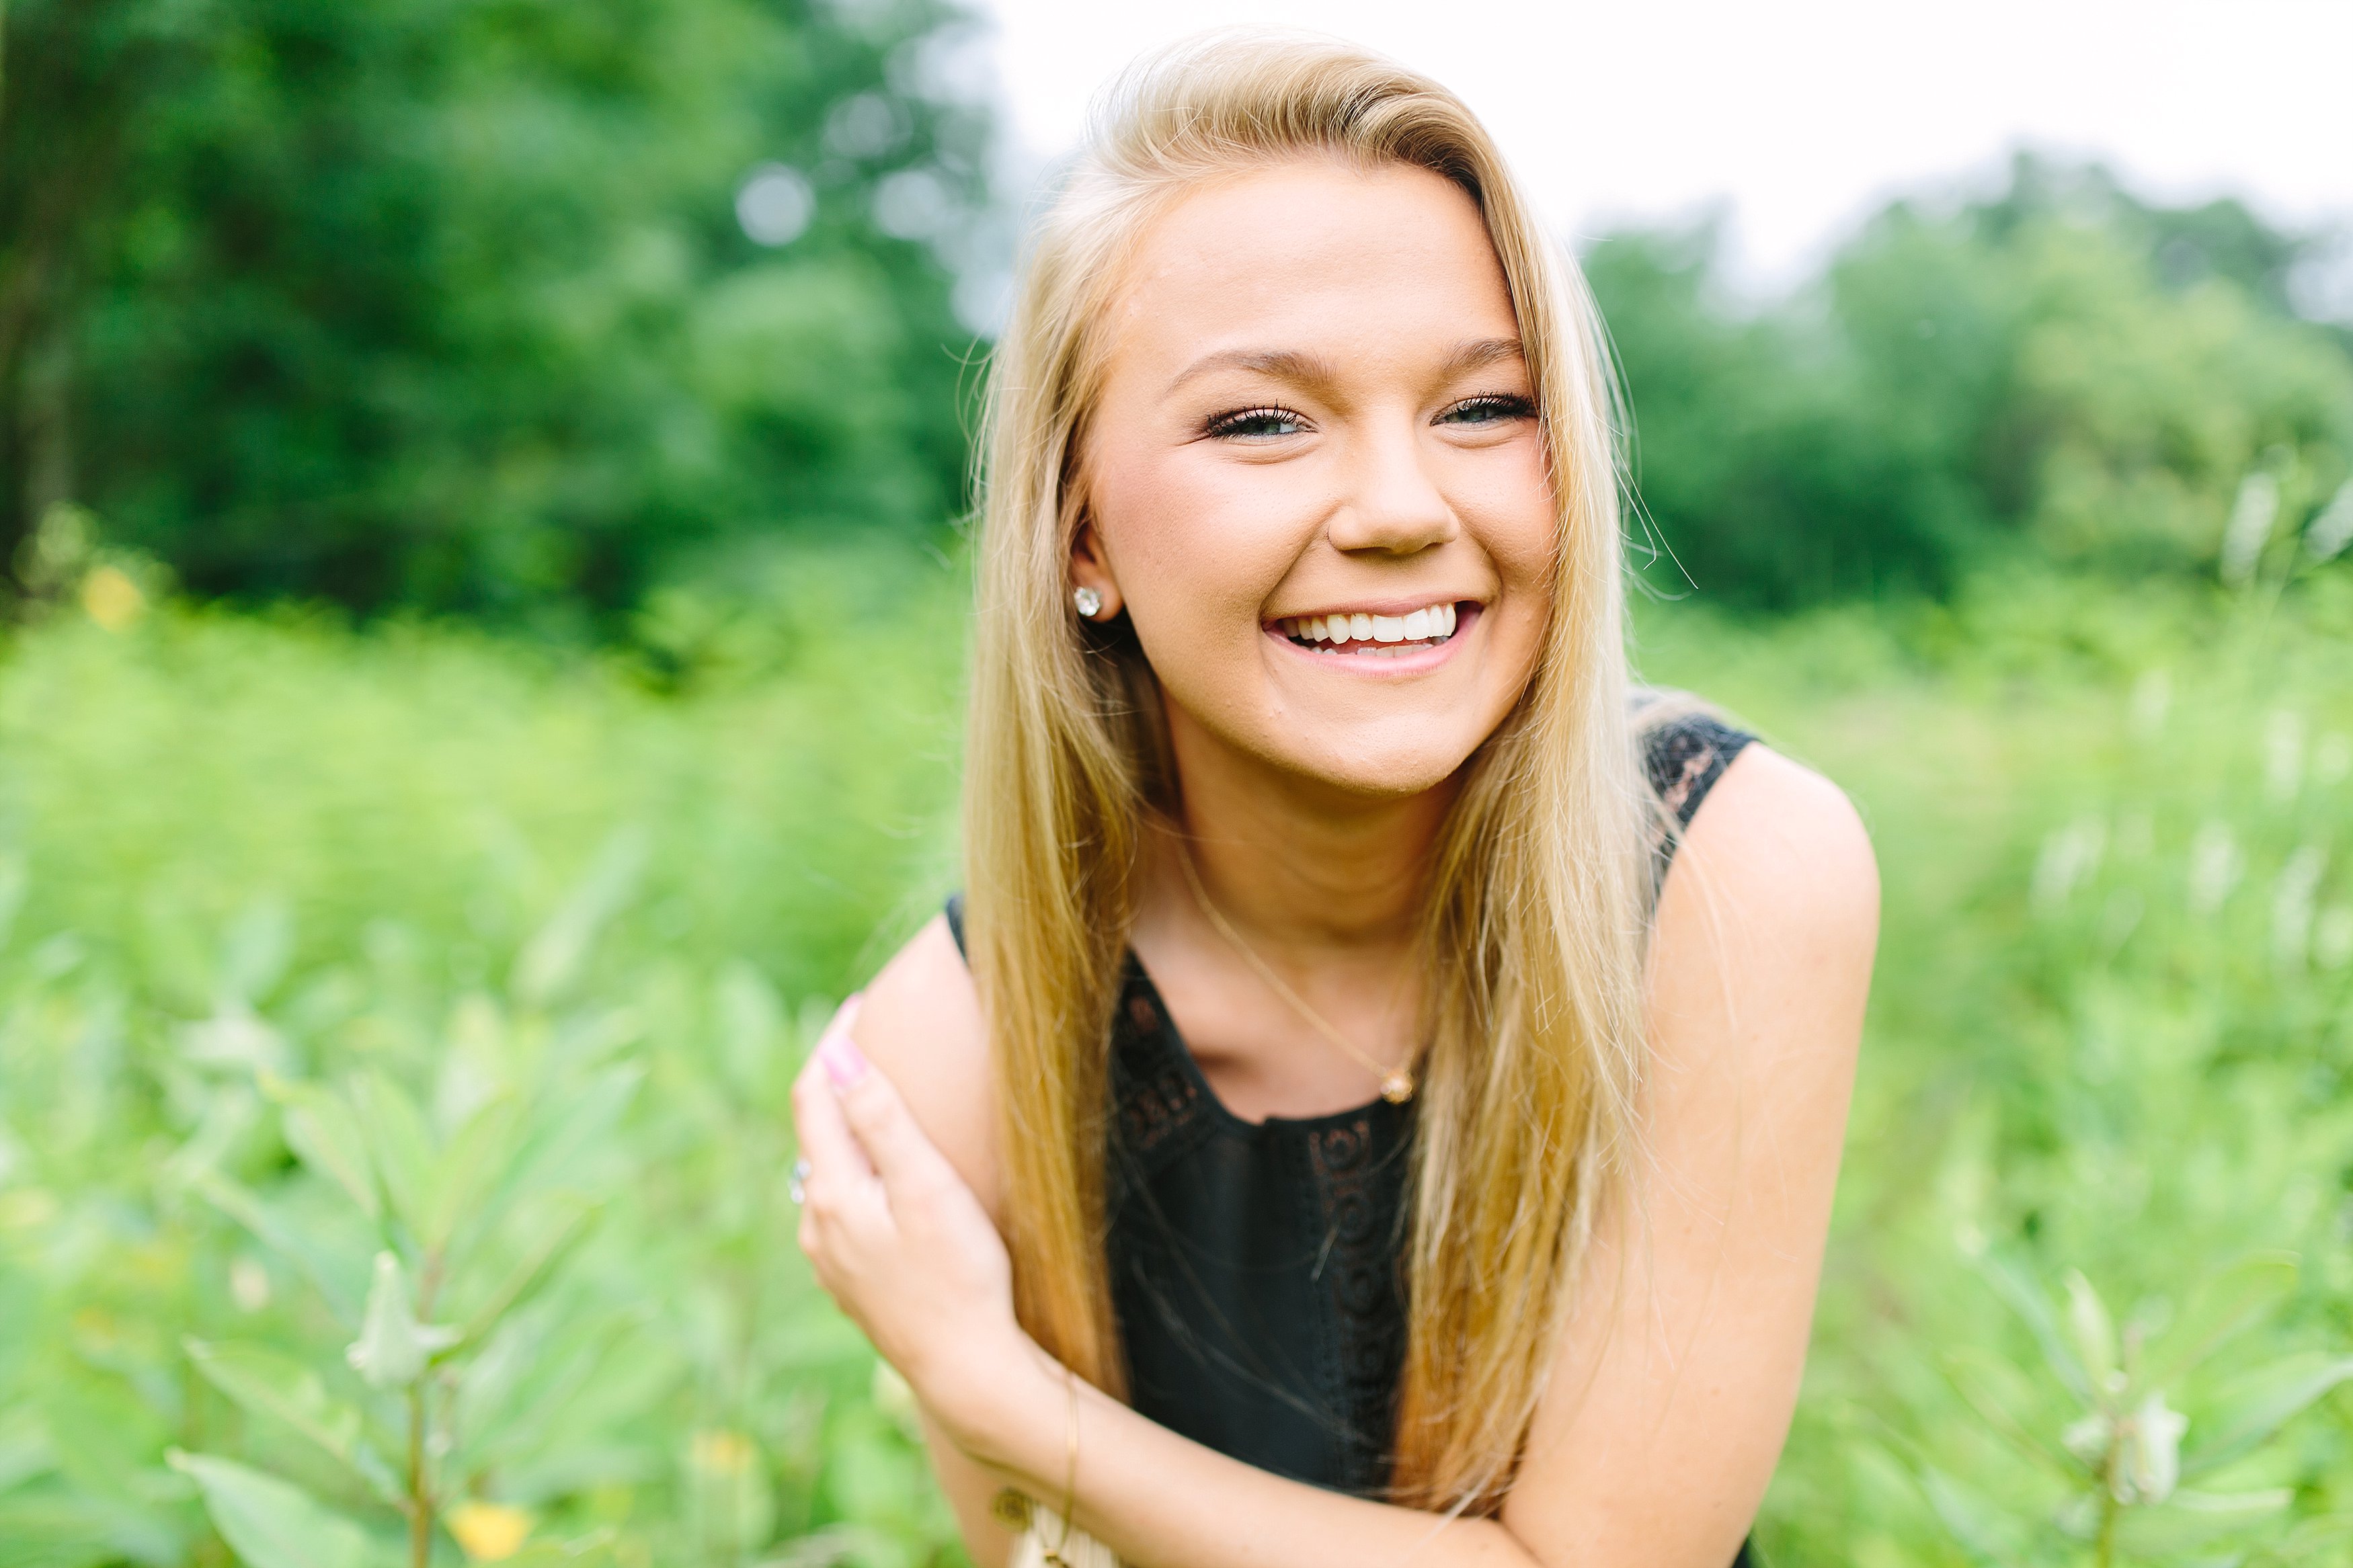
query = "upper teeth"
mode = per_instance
[{"x": 1436, "y": 621}]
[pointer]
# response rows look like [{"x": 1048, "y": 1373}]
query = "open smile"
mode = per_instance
[{"x": 1367, "y": 634}]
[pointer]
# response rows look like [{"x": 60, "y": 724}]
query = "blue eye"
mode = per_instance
[
  {"x": 1258, "y": 424},
  {"x": 1489, "y": 409}
]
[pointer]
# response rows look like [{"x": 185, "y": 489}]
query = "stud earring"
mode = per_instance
[{"x": 1089, "y": 601}]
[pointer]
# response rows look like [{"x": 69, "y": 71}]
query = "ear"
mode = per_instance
[{"x": 1090, "y": 568}]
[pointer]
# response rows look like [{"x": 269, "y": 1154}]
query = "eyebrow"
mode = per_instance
[
  {"x": 1312, "y": 370},
  {"x": 1282, "y": 365},
  {"x": 1481, "y": 353}
]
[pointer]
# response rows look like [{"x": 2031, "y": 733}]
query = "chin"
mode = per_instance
[{"x": 1387, "y": 777}]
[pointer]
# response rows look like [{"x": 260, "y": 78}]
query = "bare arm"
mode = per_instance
[{"x": 1672, "y": 1393}]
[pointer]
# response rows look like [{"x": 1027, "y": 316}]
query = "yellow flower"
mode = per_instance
[
  {"x": 720, "y": 1453},
  {"x": 489, "y": 1531},
  {"x": 112, "y": 599}
]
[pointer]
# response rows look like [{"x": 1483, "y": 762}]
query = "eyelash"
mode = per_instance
[
  {"x": 1229, "y": 424},
  {"x": 1502, "y": 405},
  {"x": 1507, "y": 405}
]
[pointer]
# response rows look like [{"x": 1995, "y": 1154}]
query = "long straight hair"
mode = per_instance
[{"x": 1534, "y": 909}]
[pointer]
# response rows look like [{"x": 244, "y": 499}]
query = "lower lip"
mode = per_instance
[{"x": 1466, "y": 614}]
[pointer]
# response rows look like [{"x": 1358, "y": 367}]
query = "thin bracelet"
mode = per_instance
[{"x": 1054, "y": 1558}]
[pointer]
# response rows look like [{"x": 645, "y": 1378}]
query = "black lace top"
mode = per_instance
[{"x": 1255, "y": 1266}]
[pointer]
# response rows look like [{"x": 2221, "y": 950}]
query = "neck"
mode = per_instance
[{"x": 1302, "y": 868}]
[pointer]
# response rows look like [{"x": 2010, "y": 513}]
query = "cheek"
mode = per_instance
[
  {"x": 1509, "y": 508},
  {"x": 1196, "y": 548},
  {"x": 1515, "y": 523}
]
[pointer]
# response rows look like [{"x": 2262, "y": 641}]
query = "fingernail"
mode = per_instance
[{"x": 845, "y": 1063}]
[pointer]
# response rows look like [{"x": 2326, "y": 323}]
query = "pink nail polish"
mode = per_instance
[{"x": 845, "y": 1063}]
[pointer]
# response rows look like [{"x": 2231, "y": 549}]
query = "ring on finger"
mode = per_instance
[{"x": 797, "y": 1188}]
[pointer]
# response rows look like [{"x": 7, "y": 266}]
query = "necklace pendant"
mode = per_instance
[{"x": 1397, "y": 1087}]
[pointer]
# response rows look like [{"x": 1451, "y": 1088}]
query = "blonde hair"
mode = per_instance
[{"x": 1537, "y": 887}]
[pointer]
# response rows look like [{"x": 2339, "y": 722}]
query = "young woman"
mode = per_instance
[{"x": 1326, "y": 1131}]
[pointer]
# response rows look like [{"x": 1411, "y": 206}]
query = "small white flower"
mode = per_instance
[
  {"x": 2250, "y": 528},
  {"x": 2152, "y": 696},
  {"x": 394, "y": 1347},
  {"x": 2152, "y": 1455},
  {"x": 2283, "y": 755},
  {"x": 2332, "y": 937},
  {"x": 2088, "y": 1438},
  {"x": 2327, "y": 535},
  {"x": 2292, "y": 904},
  {"x": 2214, "y": 866},
  {"x": 2070, "y": 855}
]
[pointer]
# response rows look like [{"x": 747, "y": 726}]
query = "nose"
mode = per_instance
[{"x": 1391, "y": 503}]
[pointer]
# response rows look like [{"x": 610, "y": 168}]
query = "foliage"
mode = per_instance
[
  {"x": 2062, "y": 367},
  {"x": 411, "y": 302},
  {"x": 392, "y": 1064},
  {"x": 394, "y": 1029},
  {"x": 2108, "y": 1043}
]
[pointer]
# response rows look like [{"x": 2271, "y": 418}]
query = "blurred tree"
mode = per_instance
[
  {"x": 487, "y": 305},
  {"x": 2061, "y": 366}
]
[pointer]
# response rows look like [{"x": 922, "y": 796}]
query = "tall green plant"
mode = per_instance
[
  {"x": 2125, "y": 1418},
  {"x": 435, "y": 1231}
]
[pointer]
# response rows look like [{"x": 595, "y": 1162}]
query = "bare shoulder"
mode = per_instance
[
  {"x": 1775, "y": 892},
  {"x": 1788, "y": 840},
  {"x": 921, "y": 1024}
]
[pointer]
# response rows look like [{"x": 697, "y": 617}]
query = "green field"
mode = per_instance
[{"x": 325, "y": 948}]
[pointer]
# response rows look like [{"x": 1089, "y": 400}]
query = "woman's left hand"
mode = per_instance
[{"x": 897, "y": 1237}]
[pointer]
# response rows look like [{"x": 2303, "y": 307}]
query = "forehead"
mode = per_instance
[{"x": 1313, "y": 253}]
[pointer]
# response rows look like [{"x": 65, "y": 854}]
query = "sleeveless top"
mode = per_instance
[{"x": 1255, "y": 1267}]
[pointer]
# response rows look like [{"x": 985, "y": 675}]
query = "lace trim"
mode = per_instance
[
  {"x": 1360, "y": 1213},
  {"x": 1157, "y": 1097}
]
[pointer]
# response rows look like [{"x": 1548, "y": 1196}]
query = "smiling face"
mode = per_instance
[{"x": 1314, "y": 481}]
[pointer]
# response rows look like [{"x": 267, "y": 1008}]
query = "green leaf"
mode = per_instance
[
  {"x": 750, "y": 1023},
  {"x": 470, "y": 1168},
  {"x": 2258, "y": 1406},
  {"x": 551, "y": 1228},
  {"x": 325, "y": 1135},
  {"x": 13, "y": 883},
  {"x": 25, "y": 1448},
  {"x": 597, "y": 1546},
  {"x": 254, "y": 956},
  {"x": 402, "y": 1149},
  {"x": 2009, "y": 1402},
  {"x": 270, "y": 1523},
  {"x": 570, "y": 1140},
  {"x": 2093, "y": 1331},
  {"x": 556, "y": 955},
  {"x": 278, "y": 1386},
  {"x": 393, "y": 1348},
  {"x": 594, "y": 1547},
  {"x": 2195, "y": 1519},
  {"x": 1982, "y": 1529},
  {"x": 2025, "y": 1297},
  {"x": 2225, "y": 1306},
  {"x": 227, "y": 1113},
  {"x": 2331, "y": 1534},
  {"x": 58, "y": 1529},
  {"x": 548, "y": 1381},
  {"x": 106, "y": 1439},
  {"x": 272, "y": 1226}
]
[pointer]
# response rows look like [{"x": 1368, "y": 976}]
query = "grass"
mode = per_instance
[{"x": 329, "y": 946}]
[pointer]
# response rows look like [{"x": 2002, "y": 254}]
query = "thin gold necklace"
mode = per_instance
[{"x": 1396, "y": 1082}]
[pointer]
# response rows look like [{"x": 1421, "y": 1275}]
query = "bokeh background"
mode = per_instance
[{"x": 482, "y": 496}]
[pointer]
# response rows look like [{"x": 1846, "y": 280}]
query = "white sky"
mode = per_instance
[{"x": 1803, "y": 113}]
